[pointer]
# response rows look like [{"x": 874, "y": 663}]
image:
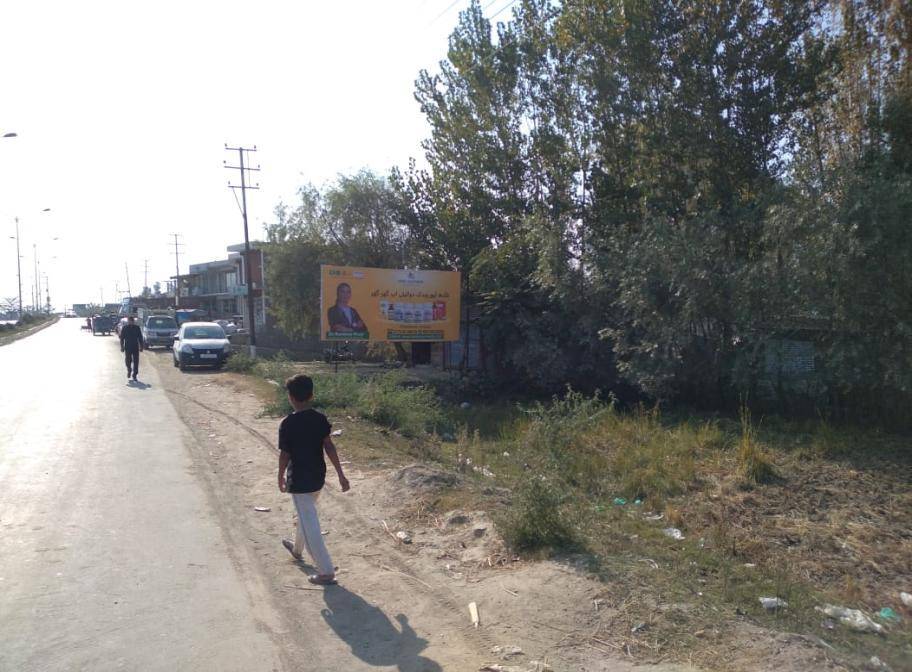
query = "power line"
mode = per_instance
[
  {"x": 448, "y": 8},
  {"x": 499, "y": 11}
]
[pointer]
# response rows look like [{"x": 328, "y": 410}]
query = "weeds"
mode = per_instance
[
  {"x": 278, "y": 369},
  {"x": 279, "y": 406},
  {"x": 387, "y": 401},
  {"x": 339, "y": 390},
  {"x": 240, "y": 362},
  {"x": 753, "y": 464},
  {"x": 536, "y": 520}
]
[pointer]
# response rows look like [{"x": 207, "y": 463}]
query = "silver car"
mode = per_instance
[{"x": 159, "y": 330}]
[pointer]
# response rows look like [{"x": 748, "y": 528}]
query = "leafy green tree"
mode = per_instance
[{"x": 355, "y": 222}]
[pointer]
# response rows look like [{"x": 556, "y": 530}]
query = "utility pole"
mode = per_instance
[
  {"x": 176, "y": 272},
  {"x": 37, "y": 285},
  {"x": 19, "y": 268},
  {"x": 145, "y": 275},
  {"x": 247, "y": 256},
  {"x": 127, "y": 271}
]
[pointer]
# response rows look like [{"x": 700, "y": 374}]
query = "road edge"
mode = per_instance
[{"x": 29, "y": 332}]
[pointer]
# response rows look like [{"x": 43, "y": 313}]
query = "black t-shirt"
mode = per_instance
[
  {"x": 301, "y": 435},
  {"x": 131, "y": 337}
]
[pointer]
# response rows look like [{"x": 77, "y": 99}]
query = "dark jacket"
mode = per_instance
[
  {"x": 337, "y": 316},
  {"x": 131, "y": 338}
]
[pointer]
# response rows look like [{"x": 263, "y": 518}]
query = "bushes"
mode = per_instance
[
  {"x": 338, "y": 390},
  {"x": 279, "y": 368},
  {"x": 240, "y": 362},
  {"x": 412, "y": 410},
  {"x": 537, "y": 521},
  {"x": 386, "y": 399}
]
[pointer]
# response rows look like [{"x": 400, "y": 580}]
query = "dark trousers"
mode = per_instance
[{"x": 132, "y": 356}]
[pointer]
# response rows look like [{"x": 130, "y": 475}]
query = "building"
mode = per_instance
[{"x": 220, "y": 287}]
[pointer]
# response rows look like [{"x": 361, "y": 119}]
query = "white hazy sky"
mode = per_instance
[{"x": 123, "y": 110}]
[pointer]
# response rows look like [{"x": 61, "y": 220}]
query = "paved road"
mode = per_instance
[{"x": 111, "y": 554}]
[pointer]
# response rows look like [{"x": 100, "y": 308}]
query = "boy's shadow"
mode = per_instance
[
  {"x": 138, "y": 385},
  {"x": 371, "y": 635}
]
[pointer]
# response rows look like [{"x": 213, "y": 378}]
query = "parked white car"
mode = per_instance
[{"x": 200, "y": 344}]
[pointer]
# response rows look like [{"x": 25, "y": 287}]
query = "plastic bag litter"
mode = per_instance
[
  {"x": 674, "y": 533},
  {"x": 773, "y": 603},
  {"x": 337, "y": 432},
  {"x": 906, "y": 599},
  {"x": 887, "y": 614},
  {"x": 852, "y": 618}
]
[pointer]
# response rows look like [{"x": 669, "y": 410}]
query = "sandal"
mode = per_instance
[
  {"x": 289, "y": 546},
  {"x": 322, "y": 580}
]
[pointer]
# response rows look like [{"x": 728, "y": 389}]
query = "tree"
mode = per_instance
[
  {"x": 355, "y": 222},
  {"x": 10, "y": 304}
]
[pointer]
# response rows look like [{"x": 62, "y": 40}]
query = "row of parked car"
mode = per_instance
[{"x": 191, "y": 343}]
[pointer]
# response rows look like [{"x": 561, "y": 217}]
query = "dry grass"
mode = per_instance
[
  {"x": 828, "y": 523},
  {"x": 754, "y": 464}
]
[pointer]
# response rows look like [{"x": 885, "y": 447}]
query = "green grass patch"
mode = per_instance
[{"x": 240, "y": 362}]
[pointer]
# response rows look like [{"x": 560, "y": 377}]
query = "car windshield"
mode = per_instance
[
  {"x": 204, "y": 332},
  {"x": 162, "y": 323}
]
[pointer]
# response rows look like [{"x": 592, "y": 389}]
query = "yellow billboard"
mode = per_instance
[{"x": 382, "y": 304}]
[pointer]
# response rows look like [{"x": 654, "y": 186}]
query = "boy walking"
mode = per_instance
[{"x": 303, "y": 439}]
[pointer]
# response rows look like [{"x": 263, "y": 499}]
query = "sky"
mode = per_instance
[{"x": 123, "y": 109}]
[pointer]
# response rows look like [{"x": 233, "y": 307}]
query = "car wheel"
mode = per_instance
[
  {"x": 182, "y": 366},
  {"x": 174, "y": 360}
]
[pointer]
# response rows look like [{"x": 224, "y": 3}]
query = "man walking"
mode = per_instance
[{"x": 131, "y": 343}]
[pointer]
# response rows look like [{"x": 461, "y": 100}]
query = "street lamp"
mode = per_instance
[
  {"x": 19, "y": 255},
  {"x": 18, "y": 267}
]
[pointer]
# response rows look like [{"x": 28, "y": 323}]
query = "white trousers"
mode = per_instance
[{"x": 307, "y": 531}]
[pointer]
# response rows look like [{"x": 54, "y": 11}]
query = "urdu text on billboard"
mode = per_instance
[{"x": 382, "y": 304}]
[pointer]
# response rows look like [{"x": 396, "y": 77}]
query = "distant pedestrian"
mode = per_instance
[
  {"x": 304, "y": 437},
  {"x": 131, "y": 344}
]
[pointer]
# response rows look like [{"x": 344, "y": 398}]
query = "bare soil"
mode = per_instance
[{"x": 405, "y": 605}]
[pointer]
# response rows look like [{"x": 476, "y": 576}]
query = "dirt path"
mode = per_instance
[{"x": 405, "y": 606}]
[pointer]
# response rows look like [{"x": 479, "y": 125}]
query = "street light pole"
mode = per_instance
[
  {"x": 19, "y": 268},
  {"x": 37, "y": 287}
]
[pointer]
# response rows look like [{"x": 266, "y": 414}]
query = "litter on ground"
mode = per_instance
[
  {"x": 674, "y": 533},
  {"x": 773, "y": 603},
  {"x": 853, "y": 618}
]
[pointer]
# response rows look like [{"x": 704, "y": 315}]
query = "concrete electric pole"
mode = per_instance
[{"x": 251, "y": 329}]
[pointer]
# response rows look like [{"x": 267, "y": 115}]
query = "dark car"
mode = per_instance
[
  {"x": 102, "y": 324},
  {"x": 159, "y": 330}
]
